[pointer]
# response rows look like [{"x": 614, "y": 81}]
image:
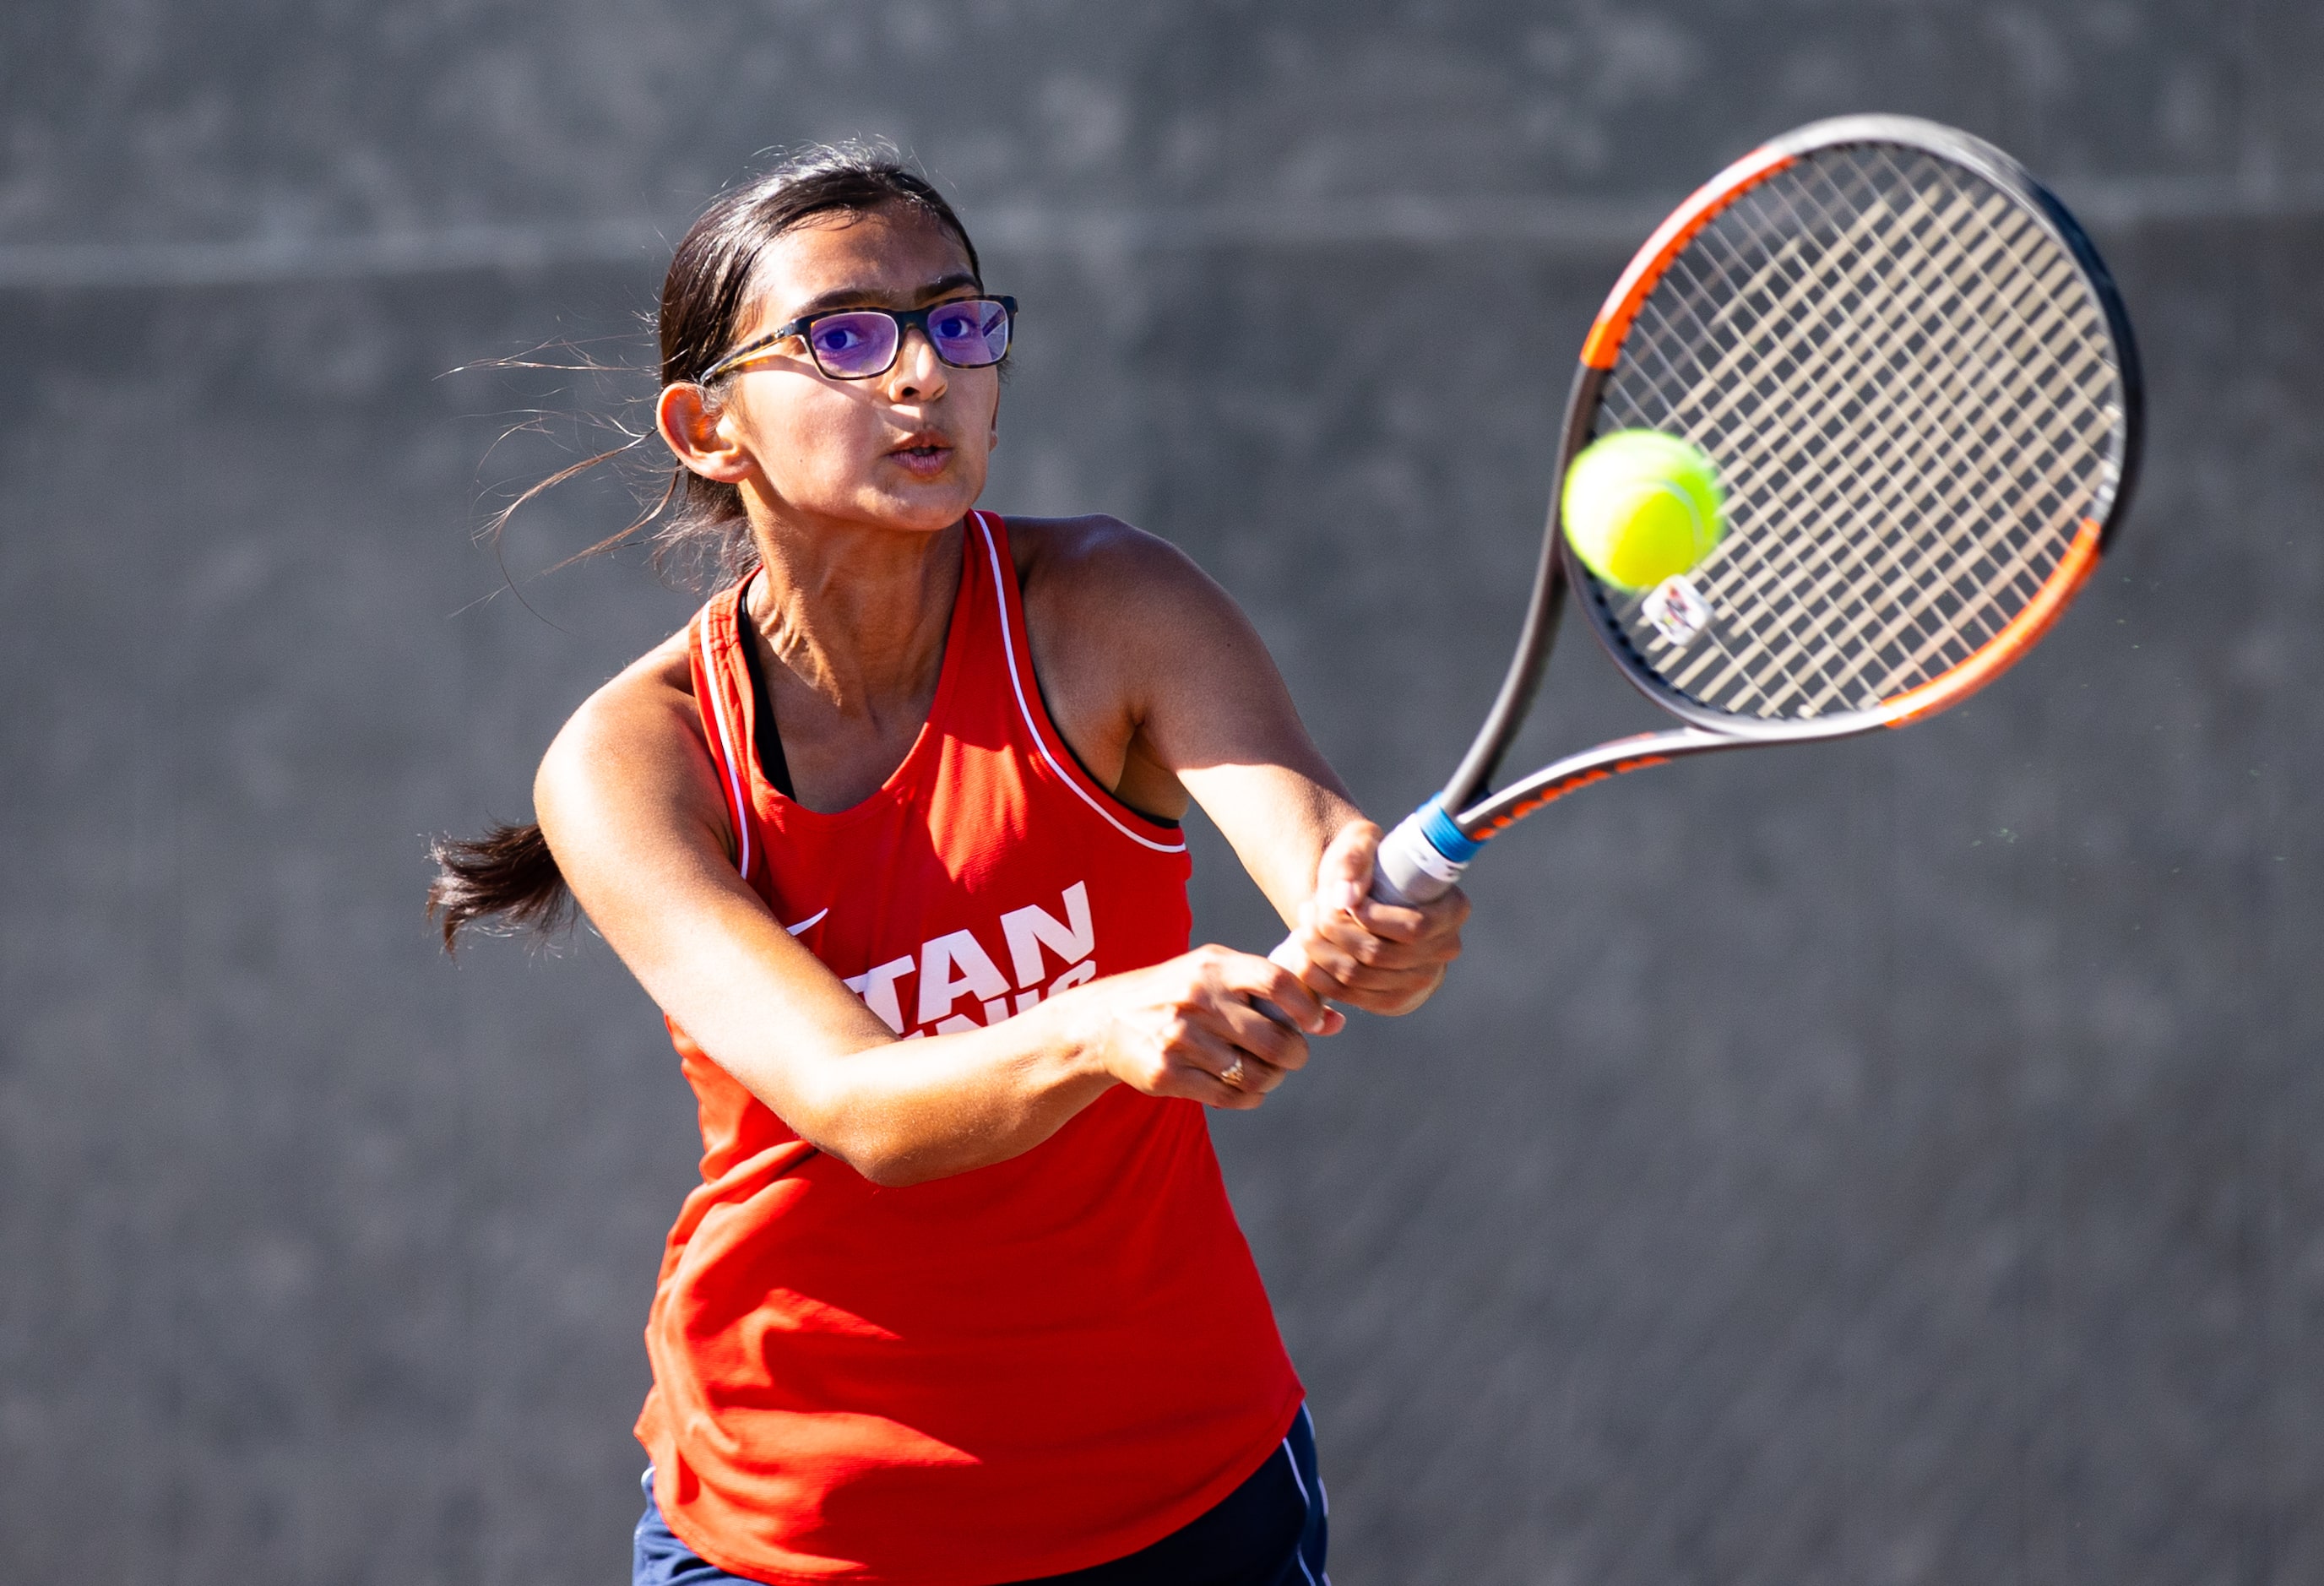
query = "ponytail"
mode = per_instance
[{"x": 509, "y": 872}]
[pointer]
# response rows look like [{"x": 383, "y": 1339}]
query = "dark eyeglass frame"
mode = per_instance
[{"x": 905, "y": 319}]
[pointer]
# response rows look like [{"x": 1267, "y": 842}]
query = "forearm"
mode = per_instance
[
  {"x": 905, "y": 1112},
  {"x": 1278, "y": 818}
]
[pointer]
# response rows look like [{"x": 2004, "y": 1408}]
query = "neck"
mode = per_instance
[{"x": 859, "y": 615}]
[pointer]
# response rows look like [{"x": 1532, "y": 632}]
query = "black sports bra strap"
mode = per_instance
[{"x": 769, "y": 736}]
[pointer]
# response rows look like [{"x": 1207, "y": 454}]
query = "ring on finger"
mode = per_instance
[{"x": 1231, "y": 1074}]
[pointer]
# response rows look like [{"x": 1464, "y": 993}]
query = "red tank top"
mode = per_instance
[{"x": 1025, "y": 1370}]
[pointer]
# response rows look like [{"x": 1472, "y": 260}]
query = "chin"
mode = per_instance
[
  {"x": 917, "y": 513},
  {"x": 939, "y": 502}
]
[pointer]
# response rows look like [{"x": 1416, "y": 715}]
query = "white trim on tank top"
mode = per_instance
[
  {"x": 710, "y": 680},
  {"x": 1016, "y": 682}
]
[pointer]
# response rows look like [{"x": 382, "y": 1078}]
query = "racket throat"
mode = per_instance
[{"x": 1544, "y": 606}]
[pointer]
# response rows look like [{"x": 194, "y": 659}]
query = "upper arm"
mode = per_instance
[
  {"x": 1132, "y": 638},
  {"x": 630, "y": 802}
]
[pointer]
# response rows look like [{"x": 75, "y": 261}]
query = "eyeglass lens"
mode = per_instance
[{"x": 969, "y": 334}]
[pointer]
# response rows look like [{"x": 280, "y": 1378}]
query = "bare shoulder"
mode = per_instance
[
  {"x": 1100, "y": 576},
  {"x": 639, "y": 736},
  {"x": 652, "y": 694},
  {"x": 1147, "y": 664}
]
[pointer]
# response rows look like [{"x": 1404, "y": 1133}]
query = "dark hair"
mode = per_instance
[{"x": 694, "y": 524}]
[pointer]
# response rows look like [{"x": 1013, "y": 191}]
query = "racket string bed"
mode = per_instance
[
  {"x": 1856, "y": 394},
  {"x": 1874, "y": 351}
]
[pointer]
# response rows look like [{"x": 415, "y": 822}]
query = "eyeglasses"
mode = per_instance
[{"x": 857, "y": 344}]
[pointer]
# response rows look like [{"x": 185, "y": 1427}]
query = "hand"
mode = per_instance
[
  {"x": 1187, "y": 1026},
  {"x": 1380, "y": 958}
]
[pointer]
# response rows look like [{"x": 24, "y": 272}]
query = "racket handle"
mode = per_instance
[
  {"x": 1423, "y": 858},
  {"x": 1413, "y": 868}
]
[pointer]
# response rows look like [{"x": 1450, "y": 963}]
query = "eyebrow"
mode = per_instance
[{"x": 856, "y": 296}]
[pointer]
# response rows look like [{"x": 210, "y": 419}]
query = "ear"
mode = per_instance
[{"x": 695, "y": 428}]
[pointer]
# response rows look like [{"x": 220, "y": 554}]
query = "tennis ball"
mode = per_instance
[{"x": 1640, "y": 505}]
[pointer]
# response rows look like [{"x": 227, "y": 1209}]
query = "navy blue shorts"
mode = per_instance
[{"x": 1270, "y": 1531}]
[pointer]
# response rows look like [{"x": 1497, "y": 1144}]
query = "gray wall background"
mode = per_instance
[{"x": 1889, "y": 1163}]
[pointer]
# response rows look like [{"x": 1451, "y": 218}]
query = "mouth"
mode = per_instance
[{"x": 922, "y": 452}]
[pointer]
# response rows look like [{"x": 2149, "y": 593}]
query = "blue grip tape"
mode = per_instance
[{"x": 1445, "y": 836}]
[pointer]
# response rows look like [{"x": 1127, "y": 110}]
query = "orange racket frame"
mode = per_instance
[{"x": 1425, "y": 854}]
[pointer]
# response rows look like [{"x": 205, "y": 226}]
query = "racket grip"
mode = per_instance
[
  {"x": 1412, "y": 867},
  {"x": 1423, "y": 858}
]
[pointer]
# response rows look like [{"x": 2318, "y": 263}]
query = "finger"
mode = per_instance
[
  {"x": 1440, "y": 916},
  {"x": 1333, "y": 1020},
  {"x": 1340, "y": 941},
  {"x": 1327, "y": 968},
  {"x": 1323, "y": 961},
  {"x": 1408, "y": 992},
  {"x": 1253, "y": 976},
  {"x": 1375, "y": 990},
  {"x": 1307, "y": 955},
  {"x": 1324, "y": 984},
  {"x": 1343, "y": 873},
  {"x": 1245, "y": 1071},
  {"x": 1438, "y": 922},
  {"x": 1366, "y": 973},
  {"x": 1340, "y": 976},
  {"x": 1291, "y": 954},
  {"x": 1428, "y": 934},
  {"x": 1218, "y": 1073},
  {"x": 1391, "y": 922},
  {"x": 1248, "y": 1028},
  {"x": 1259, "y": 1025}
]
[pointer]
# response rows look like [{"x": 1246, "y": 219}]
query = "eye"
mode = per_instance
[{"x": 837, "y": 338}]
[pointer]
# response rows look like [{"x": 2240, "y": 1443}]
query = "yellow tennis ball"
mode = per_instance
[{"x": 1640, "y": 505}]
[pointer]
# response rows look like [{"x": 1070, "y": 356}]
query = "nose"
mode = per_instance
[{"x": 917, "y": 373}]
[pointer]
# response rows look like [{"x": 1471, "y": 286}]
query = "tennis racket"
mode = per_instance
[{"x": 1918, "y": 385}]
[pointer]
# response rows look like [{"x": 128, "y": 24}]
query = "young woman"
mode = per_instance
[{"x": 889, "y": 832}]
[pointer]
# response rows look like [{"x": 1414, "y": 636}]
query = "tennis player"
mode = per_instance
[{"x": 890, "y": 833}]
